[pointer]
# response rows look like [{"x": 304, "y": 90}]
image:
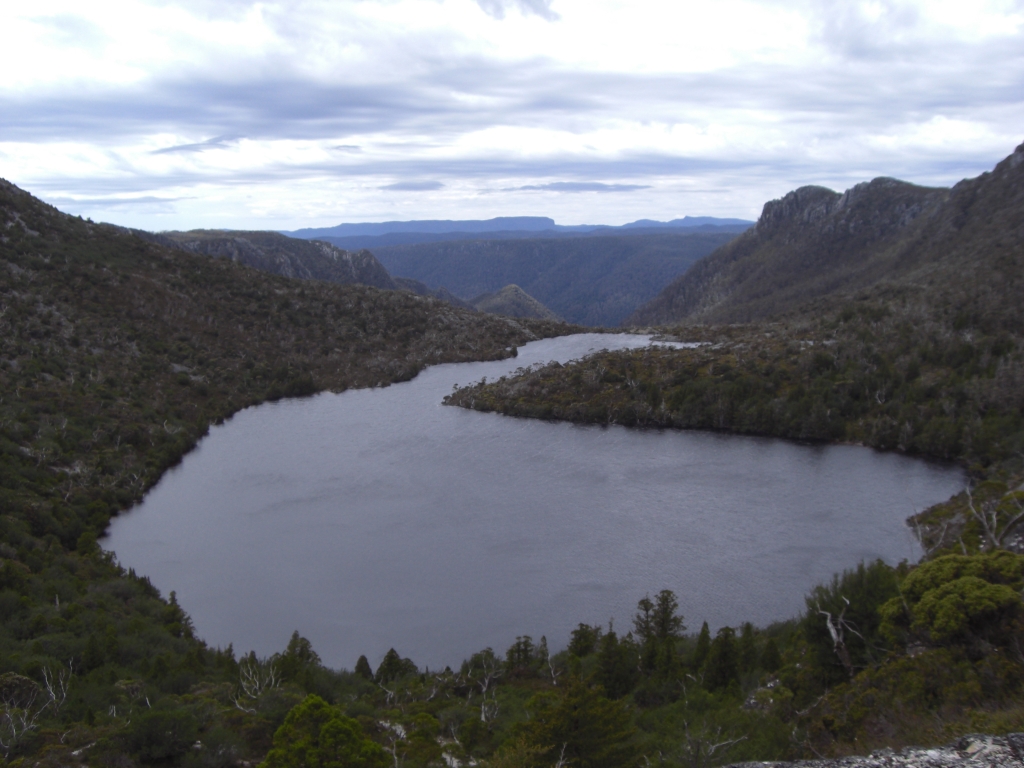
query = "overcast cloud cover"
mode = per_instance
[{"x": 231, "y": 113}]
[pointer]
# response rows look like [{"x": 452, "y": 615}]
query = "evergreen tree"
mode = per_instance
[
  {"x": 394, "y": 666},
  {"x": 316, "y": 735},
  {"x": 747, "y": 649},
  {"x": 722, "y": 669},
  {"x": 616, "y": 665},
  {"x": 584, "y": 728},
  {"x": 363, "y": 668},
  {"x": 700, "y": 653},
  {"x": 583, "y": 640},
  {"x": 771, "y": 659}
]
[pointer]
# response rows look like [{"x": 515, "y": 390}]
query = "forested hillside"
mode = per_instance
[
  {"x": 115, "y": 356},
  {"x": 956, "y": 246},
  {"x": 117, "y": 353},
  {"x": 513, "y": 301},
  {"x": 922, "y": 353},
  {"x": 595, "y": 281}
]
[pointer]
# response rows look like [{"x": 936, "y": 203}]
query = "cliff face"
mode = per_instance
[
  {"x": 815, "y": 243},
  {"x": 286, "y": 256}
]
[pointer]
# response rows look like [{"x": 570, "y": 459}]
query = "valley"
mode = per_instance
[{"x": 887, "y": 316}]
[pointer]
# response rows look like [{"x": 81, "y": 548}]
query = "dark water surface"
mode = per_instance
[{"x": 380, "y": 518}]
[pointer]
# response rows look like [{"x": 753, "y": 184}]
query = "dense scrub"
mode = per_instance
[
  {"x": 116, "y": 354},
  {"x": 870, "y": 374}
]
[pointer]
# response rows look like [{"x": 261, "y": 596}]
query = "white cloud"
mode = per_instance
[{"x": 222, "y": 113}]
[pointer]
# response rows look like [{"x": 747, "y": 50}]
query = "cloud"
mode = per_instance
[
  {"x": 672, "y": 98},
  {"x": 584, "y": 186},
  {"x": 413, "y": 186},
  {"x": 497, "y": 8},
  {"x": 218, "y": 142},
  {"x": 148, "y": 204}
]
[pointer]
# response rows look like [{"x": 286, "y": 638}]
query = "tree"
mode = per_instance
[
  {"x": 583, "y": 640},
  {"x": 722, "y": 668},
  {"x": 393, "y": 667},
  {"x": 616, "y": 664},
  {"x": 771, "y": 659},
  {"x": 582, "y": 728},
  {"x": 363, "y": 668},
  {"x": 520, "y": 656},
  {"x": 747, "y": 649},
  {"x": 700, "y": 653},
  {"x": 658, "y": 628},
  {"x": 842, "y": 620},
  {"x": 316, "y": 735}
]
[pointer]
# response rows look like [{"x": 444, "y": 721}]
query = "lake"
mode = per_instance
[{"x": 379, "y": 518}]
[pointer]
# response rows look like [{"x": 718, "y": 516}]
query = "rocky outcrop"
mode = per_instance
[
  {"x": 281, "y": 255},
  {"x": 975, "y": 751},
  {"x": 814, "y": 244}
]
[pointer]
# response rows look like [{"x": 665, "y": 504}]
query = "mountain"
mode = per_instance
[
  {"x": 408, "y": 284},
  {"x": 595, "y": 281},
  {"x": 374, "y": 242},
  {"x": 287, "y": 256},
  {"x": 961, "y": 246},
  {"x": 373, "y": 236},
  {"x": 502, "y": 223},
  {"x": 513, "y": 301},
  {"x": 117, "y": 354}
]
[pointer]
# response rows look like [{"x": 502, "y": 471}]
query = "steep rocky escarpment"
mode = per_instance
[
  {"x": 286, "y": 256},
  {"x": 959, "y": 245}
]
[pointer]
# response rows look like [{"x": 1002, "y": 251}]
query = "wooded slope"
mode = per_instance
[
  {"x": 595, "y": 281},
  {"x": 961, "y": 247}
]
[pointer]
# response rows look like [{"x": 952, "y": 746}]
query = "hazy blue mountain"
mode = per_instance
[
  {"x": 588, "y": 280},
  {"x": 372, "y": 236},
  {"x": 429, "y": 226}
]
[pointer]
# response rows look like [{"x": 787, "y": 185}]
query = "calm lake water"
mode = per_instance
[{"x": 380, "y": 518}]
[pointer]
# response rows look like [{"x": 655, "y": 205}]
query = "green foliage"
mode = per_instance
[
  {"x": 958, "y": 598},
  {"x": 583, "y": 726},
  {"x": 116, "y": 354},
  {"x": 162, "y": 734},
  {"x": 363, "y": 668},
  {"x": 316, "y": 735},
  {"x": 394, "y": 667},
  {"x": 851, "y": 604},
  {"x": 722, "y": 668},
  {"x": 702, "y": 648},
  {"x": 618, "y": 664},
  {"x": 965, "y": 606}
]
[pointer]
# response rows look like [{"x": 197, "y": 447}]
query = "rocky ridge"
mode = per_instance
[
  {"x": 815, "y": 245},
  {"x": 285, "y": 256}
]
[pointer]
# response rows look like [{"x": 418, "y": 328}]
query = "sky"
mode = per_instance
[{"x": 180, "y": 114}]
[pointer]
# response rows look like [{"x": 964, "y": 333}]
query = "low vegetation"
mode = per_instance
[{"x": 116, "y": 354}]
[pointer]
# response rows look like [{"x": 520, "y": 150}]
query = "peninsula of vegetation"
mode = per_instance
[{"x": 888, "y": 316}]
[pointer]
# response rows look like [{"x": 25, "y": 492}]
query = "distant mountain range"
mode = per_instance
[
  {"x": 952, "y": 248},
  {"x": 595, "y": 281},
  {"x": 375, "y": 235}
]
